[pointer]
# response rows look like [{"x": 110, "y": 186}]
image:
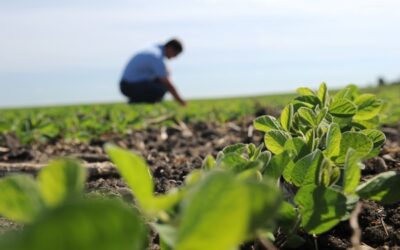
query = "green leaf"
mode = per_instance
[
  {"x": 275, "y": 140},
  {"x": 307, "y": 169},
  {"x": 298, "y": 147},
  {"x": 368, "y": 106},
  {"x": 237, "y": 148},
  {"x": 61, "y": 180},
  {"x": 323, "y": 94},
  {"x": 286, "y": 117},
  {"x": 381, "y": 188},
  {"x": 355, "y": 140},
  {"x": 310, "y": 101},
  {"x": 333, "y": 138},
  {"x": 266, "y": 123},
  {"x": 352, "y": 172},
  {"x": 212, "y": 209},
  {"x": 321, "y": 208},
  {"x": 134, "y": 171},
  {"x": 349, "y": 92},
  {"x": 276, "y": 166},
  {"x": 287, "y": 216},
  {"x": 378, "y": 139},
  {"x": 87, "y": 224},
  {"x": 366, "y": 124},
  {"x": 342, "y": 108},
  {"x": 20, "y": 198},
  {"x": 308, "y": 116},
  {"x": 304, "y": 91},
  {"x": 233, "y": 162}
]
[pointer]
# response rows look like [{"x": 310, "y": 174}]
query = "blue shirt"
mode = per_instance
[{"x": 146, "y": 65}]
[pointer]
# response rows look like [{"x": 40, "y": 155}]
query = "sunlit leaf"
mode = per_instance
[{"x": 61, "y": 180}]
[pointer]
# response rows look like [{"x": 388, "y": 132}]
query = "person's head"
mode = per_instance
[{"x": 172, "y": 48}]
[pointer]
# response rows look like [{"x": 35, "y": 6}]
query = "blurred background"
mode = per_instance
[{"x": 75, "y": 51}]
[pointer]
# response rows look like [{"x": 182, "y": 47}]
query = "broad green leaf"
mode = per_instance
[
  {"x": 321, "y": 208},
  {"x": 368, "y": 106},
  {"x": 266, "y": 123},
  {"x": 323, "y": 94},
  {"x": 61, "y": 180},
  {"x": 307, "y": 169},
  {"x": 275, "y": 141},
  {"x": 307, "y": 116},
  {"x": 20, "y": 198},
  {"x": 352, "y": 171},
  {"x": 333, "y": 138},
  {"x": 366, "y": 124},
  {"x": 381, "y": 188},
  {"x": 297, "y": 147},
  {"x": 304, "y": 91},
  {"x": 345, "y": 123},
  {"x": 286, "y": 117},
  {"x": 134, "y": 171},
  {"x": 378, "y": 139},
  {"x": 276, "y": 165},
  {"x": 355, "y": 140},
  {"x": 342, "y": 108},
  {"x": 87, "y": 224},
  {"x": 219, "y": 205}
]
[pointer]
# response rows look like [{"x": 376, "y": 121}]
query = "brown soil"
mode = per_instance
[{"x": 174, "y": 152}]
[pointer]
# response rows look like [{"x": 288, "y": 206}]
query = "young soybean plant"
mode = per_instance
[
  {"x": 57, "y": 216},
  {"x": 218, "y": 205},
  {"x": 317, "y": 146}
]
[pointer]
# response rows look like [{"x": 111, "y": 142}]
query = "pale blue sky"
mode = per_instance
[{"x": 75, "y": 51}]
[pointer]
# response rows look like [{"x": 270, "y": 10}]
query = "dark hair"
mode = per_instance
[{"x": 175, "y": 44}]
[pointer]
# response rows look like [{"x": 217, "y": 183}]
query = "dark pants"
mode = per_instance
[{"x": 144, "y": 91}]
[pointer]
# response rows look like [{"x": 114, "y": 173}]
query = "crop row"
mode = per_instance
[{"x": 305, "y": 177}]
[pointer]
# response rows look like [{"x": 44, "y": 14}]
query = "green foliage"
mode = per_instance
[
  {"x": 60, "y": 181},
  {"x": 321, "y": 207},
  {"x": 213, "y": 208},
  {"x": 82, "y": 224},
  {"x": 136, "y": 173},
  {"x": 20, "y": 199},
  {"x": 318, "y": 149},
  {"x": 381, "y": 188},
  {"x": 58, "y": 217},
  {"x": 313, "y": 152}
]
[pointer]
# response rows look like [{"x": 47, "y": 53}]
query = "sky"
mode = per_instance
[{"x": 70, "y": 52}]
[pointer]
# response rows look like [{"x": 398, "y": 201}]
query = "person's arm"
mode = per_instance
[{"x": 167, "y": 82}]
